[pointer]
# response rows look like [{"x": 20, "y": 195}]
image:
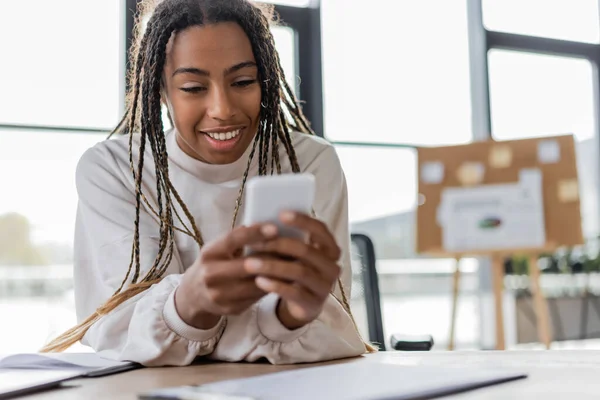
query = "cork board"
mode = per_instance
[{"x": 493, "y": 162}]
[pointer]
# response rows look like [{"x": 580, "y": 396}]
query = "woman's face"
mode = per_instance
[{"x": 212, "y": 91}]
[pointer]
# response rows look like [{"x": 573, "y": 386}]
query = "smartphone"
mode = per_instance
[{"x": 269, "y": 195}]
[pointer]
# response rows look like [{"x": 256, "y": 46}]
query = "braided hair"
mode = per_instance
[{"x": 280, "y": 114}]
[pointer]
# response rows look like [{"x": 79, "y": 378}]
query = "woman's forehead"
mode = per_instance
[{"x": 217, "y": 44}]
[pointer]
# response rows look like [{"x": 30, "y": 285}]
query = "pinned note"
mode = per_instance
[
  {"x": 494, "y": 216},
  {"x": 432, "y": 172},
  {"x": 568, "y": 190},
  {"x": 548, "y": 151},
  {"x": 470, "y": 173},
  {"x": 500, "y": 156}
]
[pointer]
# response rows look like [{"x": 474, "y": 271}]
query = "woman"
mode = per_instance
[{"x": 213, "y": 64}]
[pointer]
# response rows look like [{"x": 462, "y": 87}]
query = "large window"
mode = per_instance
[
  {"x": 390, "y": 76},
  {"x": 391, "y": 81},
  {"x": 37, "y": 217},
  {"x": 62, "y": 63},
  {"x": 285, "y": 41},
  {"x": 62, "y": 89}
]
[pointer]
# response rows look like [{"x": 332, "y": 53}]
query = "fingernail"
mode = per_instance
[
  {"x": 287, "y": 216},
  {"x": 263, "y": 283},
  {"x": 269, "y": 230},
  {"x": 253, "y": 264}
]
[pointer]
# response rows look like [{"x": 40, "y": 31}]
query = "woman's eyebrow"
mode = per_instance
[{"x": 202, "y": 72}]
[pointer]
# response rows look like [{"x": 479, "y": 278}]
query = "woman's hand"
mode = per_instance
[
  {"x": 302, "y": 274},
  {"x": 218, "y": 284}
]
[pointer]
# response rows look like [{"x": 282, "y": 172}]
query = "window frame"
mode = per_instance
[{"x": 125, "y": 34}]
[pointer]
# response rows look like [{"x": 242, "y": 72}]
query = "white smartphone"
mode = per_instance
[{"x": 266, "y": 197}]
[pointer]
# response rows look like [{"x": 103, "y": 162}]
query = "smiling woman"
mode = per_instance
[{"x": 160, "y": 276}]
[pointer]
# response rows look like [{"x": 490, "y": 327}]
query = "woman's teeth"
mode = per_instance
[{"x": 224, "y": 135}]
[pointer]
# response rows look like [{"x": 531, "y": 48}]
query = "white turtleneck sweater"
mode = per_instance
[{"x": 147, "y": 328}]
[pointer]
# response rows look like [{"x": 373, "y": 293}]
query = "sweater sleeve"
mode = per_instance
[
  {"x": 146, "y": 328},
  {"x": 258, "y": 333}
]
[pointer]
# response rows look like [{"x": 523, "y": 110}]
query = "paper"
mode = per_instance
[
  {"x": 361, "y": 381},
  {"x": 548, "y": 151},
  {"x": 432, "y": 172},
  {"x": 494, "y": 217},
  {"x": 470, "y": 173},
  {"x": 14, "y": 383},
  {"x": 568, "y": 190},
  {"x": 500, "y": 156},
  {"x": 88, "y": 363}
]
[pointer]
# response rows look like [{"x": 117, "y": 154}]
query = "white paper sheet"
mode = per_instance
[
  {"x": 492, "y": 217},
  {"x": 354, "y": 381},
  {"x": 17, "y": 382},
  {"x": 432, "y": 172},
  {"x": 548, "y": 151},
  {"x": 89, "y": 364}
]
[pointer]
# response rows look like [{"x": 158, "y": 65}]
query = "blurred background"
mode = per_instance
[{"x": 378, "y": 78}]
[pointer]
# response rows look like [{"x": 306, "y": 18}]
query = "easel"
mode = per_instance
[
  {"x": 502, "y": 163},
  {"x": 539, "y": 301}
]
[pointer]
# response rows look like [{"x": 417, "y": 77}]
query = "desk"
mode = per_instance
[{"x": 554, "y": 374}]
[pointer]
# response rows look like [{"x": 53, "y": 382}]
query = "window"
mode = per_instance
[
  {"x": 67, "y": 70},
  {"x": 575, "y": 20},
  {"x": 392, "y": 81},
  {"x": 285, "y": 42},
  {"x": 535, "y": 95},
  {"x": 381, "y": 181},
  {"x": 391, "y": 76},
  {"x": 37, "y": 218}
]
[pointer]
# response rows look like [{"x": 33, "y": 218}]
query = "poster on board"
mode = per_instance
[{"x": 494, "y": 216}]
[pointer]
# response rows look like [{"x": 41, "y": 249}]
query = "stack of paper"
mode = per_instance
[
  {"x": 88, "y": 364},
  {"x": 354, "y": 381},
  {"x": 20, "y": 382},
  {"x": 26, "y": 373}
]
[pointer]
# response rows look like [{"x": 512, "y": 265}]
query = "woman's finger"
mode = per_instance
[
  {"x": 289, "y": 271},
  {"x": 237, "y": 239},
  {"x": 290, "y": 292},
  {"x": 297, "y": 250},
  {"x": 243, "y": 291},
  {"x": 318, "y": 231},
  {"x": 216, "y": 273}
]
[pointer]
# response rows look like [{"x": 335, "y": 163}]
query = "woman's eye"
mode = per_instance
[
  {"x": 195, "y": 89},
  {"x": 245, "y": 82}
]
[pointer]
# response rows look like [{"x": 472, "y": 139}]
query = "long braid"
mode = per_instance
[
  {"x": 149, "y": 131},
  {"x": 167, "y": 234},
  {"x": 143, "y": 115}
]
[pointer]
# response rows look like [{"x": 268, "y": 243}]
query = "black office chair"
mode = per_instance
[{"x": 366, "y": 303}]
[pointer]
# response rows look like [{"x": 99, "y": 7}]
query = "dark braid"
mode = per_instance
[{"x": 143, "y": 118}]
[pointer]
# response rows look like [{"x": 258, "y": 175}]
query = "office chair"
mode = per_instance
[{"x": 367, "y": 303}]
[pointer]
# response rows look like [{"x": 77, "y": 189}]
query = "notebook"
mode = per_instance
[
  {"x": 19, "y": 382},
  {"x": 355, "y": 381},
  {"x": 86, "y": 364}
]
